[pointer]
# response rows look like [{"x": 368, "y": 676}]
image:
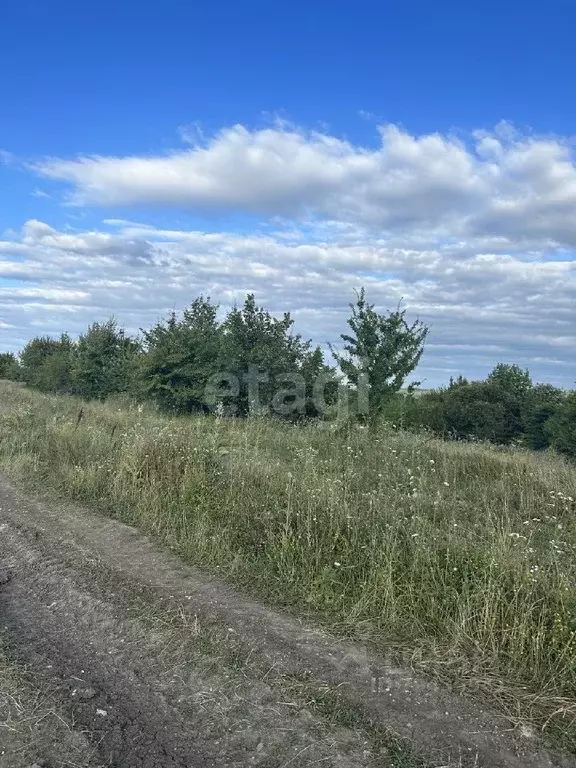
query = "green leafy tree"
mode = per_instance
[
  {"x": 46, "y": 363},
  {"x": 266, "y": 361},
  {"x": 461, "y": 381},
  {"x": 561, "y": 427},
  {"x": 379, "y": 354},
  {"x": 512, "y": 379},
  {"x": 180, "y": 357},
  {"x": 541, "y": 403},
  {"x": 515, "y": 385},
  {"x": 483, "y": 410},
  {"x": 480, "y": 410},
  {"x": 321, "y": 384},
  {"x": 9, "y": 367},
  {"x": 104, "y": 361}
]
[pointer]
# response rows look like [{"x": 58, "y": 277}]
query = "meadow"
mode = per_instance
[{"x": 459, "y": 559}]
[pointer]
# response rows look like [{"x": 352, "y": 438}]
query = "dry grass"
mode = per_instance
[
  {"x": 33, "y": 730},
  {"x": 463, "y": 556}
]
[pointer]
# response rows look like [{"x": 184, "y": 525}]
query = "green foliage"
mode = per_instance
[
  {"x": 515, "y": 381},
  {"x": 268, "y": 364},
  {"x": 9, "y": 367},
  {"x": 321, "y": 384},
  {"x": 181, "y": 355},
  {"x": 481, "y": 410},
  {"x": 104, "y": 361},
  {"x": 380, "y": 353},
  {"x": 503, "y": 409},
  {"x": 249, "y": 358},
  {"x": 459, "y": 553},
  {"x": 247, "y": 363},
  {"x": 541, "y": 403},
  {"x": 46, "y": 363},
  {"x": 458, "y": 382},
  {"x": 561, "y": 427},
  {"x": 252, "y": 362}
]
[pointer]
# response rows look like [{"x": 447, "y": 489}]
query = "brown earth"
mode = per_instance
[{"x": 153, "y": 664}]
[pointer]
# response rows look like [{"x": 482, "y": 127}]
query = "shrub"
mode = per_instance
[{"x": 561, "y": 427}]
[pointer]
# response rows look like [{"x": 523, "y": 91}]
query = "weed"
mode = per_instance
[{"x": 463, "y": 554}]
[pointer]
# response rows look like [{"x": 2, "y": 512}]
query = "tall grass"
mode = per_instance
[{"x": 463, "y": 554}]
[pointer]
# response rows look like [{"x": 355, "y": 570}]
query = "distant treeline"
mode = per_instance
[{"x": 252, "y": 362}]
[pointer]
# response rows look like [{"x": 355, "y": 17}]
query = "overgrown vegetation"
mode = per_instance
[
  {"x": 462, "y": 550},
  {"x": 251, "y": 362},
  {"x": 464, "y": 554},
  {"x": 504, "y": 409}
]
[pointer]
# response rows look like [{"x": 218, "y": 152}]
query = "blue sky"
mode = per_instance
[{"x": 153, "y": 151}]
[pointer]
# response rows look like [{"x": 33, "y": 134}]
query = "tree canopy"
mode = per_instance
[{"x": 250, "y": 361}]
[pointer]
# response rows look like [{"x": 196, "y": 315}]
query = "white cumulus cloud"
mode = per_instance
[{"x": 498, "y": 183}]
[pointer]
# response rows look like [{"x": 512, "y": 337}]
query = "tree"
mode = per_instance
[
  {"x": 180, "y": 356},
  {"x": 46, "y": 363},
  {"x": 262, "y": 356},
  {"x": 461, "y": 381},
  {"x": 380, "y": 353},
  {"x": 541, "y": 403},
  {"x": 104, "y": 361},
  {"x": 9, "y": 368},
  {"x": 561, "y": 427},
  {"x": 321, "y": 384},
  {"x": 513, "y": 379},
  {"x": 482, "y": 410}
]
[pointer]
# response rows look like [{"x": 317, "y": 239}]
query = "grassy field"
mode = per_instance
[{"x": 461, "y": 558}]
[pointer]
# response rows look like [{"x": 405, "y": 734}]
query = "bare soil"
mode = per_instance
[{"x": 146, "y": 662}]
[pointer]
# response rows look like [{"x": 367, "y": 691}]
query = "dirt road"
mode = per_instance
[{"x": 149, "y": 663}]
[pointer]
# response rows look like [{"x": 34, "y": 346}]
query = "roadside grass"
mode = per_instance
[{"x": 460, "y": 557}]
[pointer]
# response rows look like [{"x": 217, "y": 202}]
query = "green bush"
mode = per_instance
[
  {"x": 9, "y": 367},
  {"x": 561, "y": 427},
  {"x": 541, "y": 403},
  {"x": 481, "y": 410},
  {"x": 46, "y": 363},
  {"x": 103, "y": 362}
]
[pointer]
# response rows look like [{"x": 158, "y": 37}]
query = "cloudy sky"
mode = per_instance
[{"x": 425, "y": 151}]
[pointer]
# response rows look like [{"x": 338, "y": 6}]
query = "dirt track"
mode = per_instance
[{"x": 156, "y": 665}]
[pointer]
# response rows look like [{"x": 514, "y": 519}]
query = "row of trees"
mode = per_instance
[
  {"x": 506, "y": 407},
  {"x": 251, "y": 361}
]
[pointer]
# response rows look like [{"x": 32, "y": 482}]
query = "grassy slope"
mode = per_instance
[{"x": 462, "y": 555}]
